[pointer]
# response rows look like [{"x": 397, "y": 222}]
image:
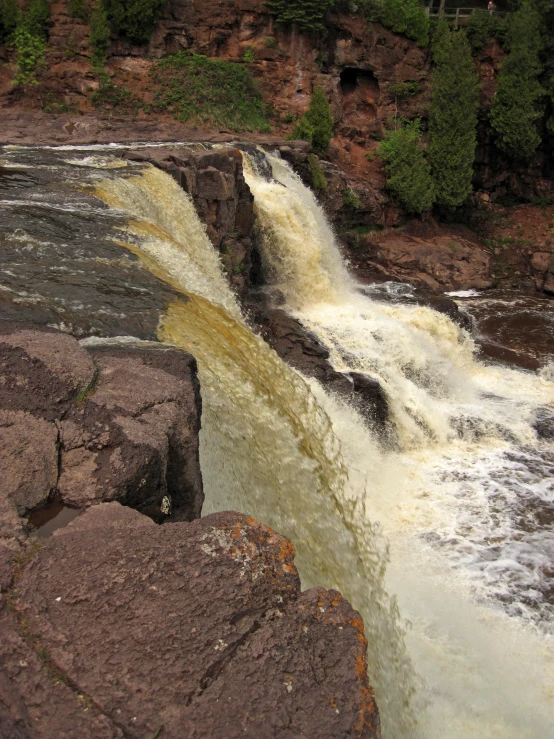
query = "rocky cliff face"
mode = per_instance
[{"x": 358, "y": 64}]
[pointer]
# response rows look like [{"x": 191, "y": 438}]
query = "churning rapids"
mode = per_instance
[{"x": 443, "y": 537}]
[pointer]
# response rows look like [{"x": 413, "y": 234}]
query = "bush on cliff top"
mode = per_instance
[
  {"x": 10, "y": 14},
  {"x": 408, "y": 172},
  {"x": 99, "y": 34},
  {"x": 453, "y": 116},
  {"x": 516, "y": 106},
  {"x": 404, "y": 16},
  {"x": 316, "y": 125},
  {"x": 209, "y": 92}
]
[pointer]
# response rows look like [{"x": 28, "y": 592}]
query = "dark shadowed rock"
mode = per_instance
[
  {"x": 199, "y": 629},
  {"x": 114, "y": 424},
  {"x": 544, "y": 424}
]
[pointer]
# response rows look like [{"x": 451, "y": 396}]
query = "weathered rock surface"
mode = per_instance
[
  {"x": 194, "y": 629},
  {"x": 215, "y": 181},
  {"x": 110, "y": 424},
  {"x": 436, "y": 263}
]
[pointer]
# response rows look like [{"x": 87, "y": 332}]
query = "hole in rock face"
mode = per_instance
[
  {"x": 50, "y": 517},
  {"x": 351, "y": 78}
]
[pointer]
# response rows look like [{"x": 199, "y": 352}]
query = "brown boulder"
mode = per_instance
[
  {"x": 114, "y": 424},
  {"x": 198, "y": 629}
]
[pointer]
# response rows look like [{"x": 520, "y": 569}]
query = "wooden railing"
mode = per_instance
[{"x": 457, "y": 16}]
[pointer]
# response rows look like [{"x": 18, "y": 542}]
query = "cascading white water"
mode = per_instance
[
  {"x": 267, "y": 444},
  {"x": 470, "y": 577}
]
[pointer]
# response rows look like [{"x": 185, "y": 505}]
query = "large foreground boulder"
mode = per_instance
[
  {"x": 88, "y": 427},
  {"x": 129, "y": 629}
]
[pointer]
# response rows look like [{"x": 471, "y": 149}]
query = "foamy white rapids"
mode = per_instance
[
  {"x": 268, "y": 447},
  {"x": 466, "y": 502}
]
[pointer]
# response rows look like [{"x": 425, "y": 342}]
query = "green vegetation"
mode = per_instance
[
  {"x": 78, "y": 9},
  {"x": 408, "y": 172},
  {"x": 10, "y": 15},
  {"x": 482, "y": 27},
  {"x": 403, "y": 91},
  {"x": 316, "y": 125},
  {"x": 270, "y": 42},
  {"x": 99, "y": 34},
  {"x": 404, "y": 16},
  {"x": 30, "y": 55},
  {"x": 208, "y": 91},
  {"x": 319, "y": 181},
  {"x": 453, "y": 116},
  {"x": 516, "y": 107},
  {"x": 110, "y": 96},
  {"x": 249, "y": 56},
  {"x": 308, "y": 15},
  {"x": 351, "y": 200},
  {"x": 37, "y": 19},
  {"x": 135, "y": 19}
]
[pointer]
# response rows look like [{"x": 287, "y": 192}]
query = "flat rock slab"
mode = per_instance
[{"x": 192, "y": 630}]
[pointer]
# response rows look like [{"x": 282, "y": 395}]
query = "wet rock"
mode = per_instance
[
  {"x": 195, "y": 629},
  {"x": 303, "y": 351},
  {"x": 215, "y": 181},
  {"x": 110, "y": 424},
  {"x": 544, "y": 424}
]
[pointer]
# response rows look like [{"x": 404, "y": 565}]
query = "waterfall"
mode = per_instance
[
  {"x": 268, "y": 447},
  {"x": 469, "y": 563}
]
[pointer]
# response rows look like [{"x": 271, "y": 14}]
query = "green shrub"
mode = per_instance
[
  {"x": 453, "y": 116},
  {"x": 404, "y": 16},
  {"x": 270, "y": 42},
  {"x": 319, "y": 181},
  {"x": 351, "y": 200},
  {"x": 38, "y": 18},
  {"x": 403, "y": 91},
  {"x": 516, "y": 106},
  {"x": 308, "y": 15},
  {"x": 248, "y": 56},
  {"x": 10, "y": 16},
  {"x": 99, "y": 31},
  {"x": 78, "y": 9},
  {"x": 110, "y": 96},
  {"x": 482, "y": 27},
  {"x": 30, "y": 55},
  {"x": 408, "y": 172},
  {"x": 316, "y": 125},
  {"x": 135, "y": 19},
  {"x": 209, "y": 91}
]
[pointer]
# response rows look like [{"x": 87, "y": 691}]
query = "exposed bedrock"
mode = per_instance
[
  {"x": 188, "y": 629},
  {"x": 88, "y": 427}
]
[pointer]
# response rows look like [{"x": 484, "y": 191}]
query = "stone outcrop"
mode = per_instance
[
  {"x": 87, "y": 427},
  {"x": 186, "y": 630},
  {"x": 215, "y": 181}
]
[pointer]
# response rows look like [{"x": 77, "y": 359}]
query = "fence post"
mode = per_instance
[{"x": 457, "y": 16}]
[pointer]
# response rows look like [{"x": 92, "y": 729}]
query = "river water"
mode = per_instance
[{"x": 444, "y": 540}]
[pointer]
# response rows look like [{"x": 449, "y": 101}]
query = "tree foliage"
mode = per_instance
[
  {"x": 135, "y": 19},
  {"x": 405, "y": 16},
  {"x": 308, "y": 15},
  {"x": 453, "y": 116},
  {"x": 516, "y": 110},
  {"x": 99, "y": 34},
  {"x": 10, "y": 15},
  {"x": 316, "y": 125},
  {"x": 37, "y": 19},
  {"x": 30, "y": 55},
  {"x": 408, "y": 172}
]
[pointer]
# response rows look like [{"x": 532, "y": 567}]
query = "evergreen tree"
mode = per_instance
[
  {"x": 515, "y": 109},
  {"x": 408, "y": 172},
  {"x": 99, "y": 34},
  {"x": 316, "y": 125},
  {"x": 453, "y": 115},
  {"x": 38, "y": 18}
]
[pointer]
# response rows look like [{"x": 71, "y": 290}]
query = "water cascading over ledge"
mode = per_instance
[{"x": 267, "y": 446}]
